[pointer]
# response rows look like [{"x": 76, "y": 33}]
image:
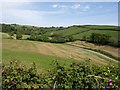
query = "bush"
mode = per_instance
[
  {"x": 101, "y": 39},
  {"x": 39, "y": 38},
  {"x": 54, "y": 38},
  {"x": 84, "y": 38},
  {"x": 18, "y": 36},
  {"x": 11, "y": 33},
  {"x": 114, "y": 43},
  {"x": 16, "y": 76}
]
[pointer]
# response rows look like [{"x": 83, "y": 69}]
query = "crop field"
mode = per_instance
[{"x": 44, "y": 53}]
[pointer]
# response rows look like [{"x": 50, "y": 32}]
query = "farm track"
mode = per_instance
[{"x": 94, "y": 52}]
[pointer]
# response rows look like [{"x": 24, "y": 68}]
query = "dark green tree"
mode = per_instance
[
  {"x": 18, "y": 36},
  {"x": 11, "y": 33},
  {"x": 101, "y": 39}
]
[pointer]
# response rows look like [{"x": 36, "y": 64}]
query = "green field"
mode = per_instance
[
  {"x": 114, "y": 34},
  {"x": 44, "y": 54},
  {"x": 43, "y": 62},
  {"x": 85, "y": 30}
]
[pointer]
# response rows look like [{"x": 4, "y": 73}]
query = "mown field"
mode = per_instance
[{"x": 44, "y": 53}]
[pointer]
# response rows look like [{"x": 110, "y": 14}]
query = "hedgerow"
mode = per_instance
[{"x": 16, "y": 76}]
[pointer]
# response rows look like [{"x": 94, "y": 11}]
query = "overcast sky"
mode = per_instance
[{"x": 60, "y": 13}]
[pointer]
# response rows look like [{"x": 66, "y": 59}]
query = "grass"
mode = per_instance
[
  {"x": 69, "y": 31},
  {"x": 109, "y": 49},
  {"x": 57, "y": 50},
  {"x": 100, "y": 51},
  {"x": 102, "y": 27},
  {"x": 43, "y": 62},
  {"x": 85, "y": 30},
  {"x": 113, "y": 34},
  {"x": 43, "y": 53}
]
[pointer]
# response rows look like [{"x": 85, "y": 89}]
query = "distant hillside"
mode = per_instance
[{"x": 64, "y": 34}]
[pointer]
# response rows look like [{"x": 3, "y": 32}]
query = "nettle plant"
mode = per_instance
[{"x": 16, "y": 76}]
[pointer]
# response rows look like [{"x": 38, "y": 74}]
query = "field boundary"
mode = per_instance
[{"x": 99, "y": 51}]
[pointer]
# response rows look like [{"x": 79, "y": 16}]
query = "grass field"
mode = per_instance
[
  {"x": 43, "y": 53},
  {"x": 43, "y": 62},
  {"x": 79, "y": 31},
  {"x": 113, "y": 34},
  {"x": 112, "y": 50}
]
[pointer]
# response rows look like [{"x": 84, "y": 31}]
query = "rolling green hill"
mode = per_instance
[
  {"x": 70, "y": 30},
  {"x": 63, "y": 34},
  {"x": 79, "y": 31}
]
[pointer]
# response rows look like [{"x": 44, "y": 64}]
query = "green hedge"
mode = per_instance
[{"x": 16, "y": 76}]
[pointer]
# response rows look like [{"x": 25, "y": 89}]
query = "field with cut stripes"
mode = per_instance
[{"x": 44, "y": 53}]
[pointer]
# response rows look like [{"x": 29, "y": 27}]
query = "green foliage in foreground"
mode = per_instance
[{"x": 77, "y": 76}]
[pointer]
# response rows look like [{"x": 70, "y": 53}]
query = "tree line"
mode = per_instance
[
  {"x": 101, "y": 39},
  {"x": 53, "y": 38},
  {"x": 39, "y": 34}
]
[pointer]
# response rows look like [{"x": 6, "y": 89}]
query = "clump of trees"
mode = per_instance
[
  {"x": 11, "y": 33},
  {"x": 53, "y": 38},
  {"x": 35, "y": 37},
  {"x": 101, "y": 39},
  {"x": 60, "y": 38},
  {"x": 36, "y": 33},
  {"x": 27, "y": 30},
  {"x": 19, "y": 36},
  {"x": 16, "y": 76}
]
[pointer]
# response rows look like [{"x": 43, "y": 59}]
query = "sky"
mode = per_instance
[{"x": 59, "y": 13}]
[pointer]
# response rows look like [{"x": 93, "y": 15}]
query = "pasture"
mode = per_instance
[{"x": 44, "y": 53}]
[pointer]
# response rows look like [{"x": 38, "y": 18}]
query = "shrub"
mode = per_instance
[
  {"x": 97, "y": 38},
  {"x": 16, "y": 76},
  {"x": 82, "y": 76},
  {"x": 18, "y": 36},
  {"x": 11, "y": 33},
  {"x": 54, "y": 38}
]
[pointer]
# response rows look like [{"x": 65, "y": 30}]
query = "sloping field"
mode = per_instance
[
  {"x": 102, "y": 27},
  {"x": 68, "y": 31},
  {"x": 112, "y": 33},
  {"x": 112, "y": 50},
  {"x": 85, "y": 30},
  {"x": 44, "y": 53}
]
